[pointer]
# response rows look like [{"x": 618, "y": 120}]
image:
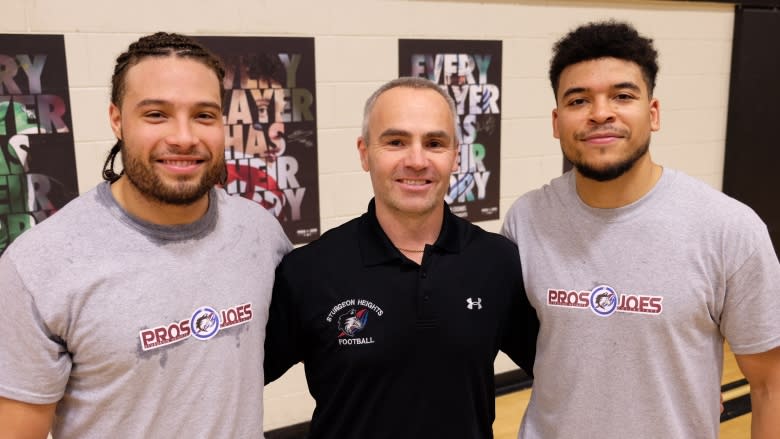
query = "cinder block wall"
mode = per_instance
[{"x": 357, "y": 50}]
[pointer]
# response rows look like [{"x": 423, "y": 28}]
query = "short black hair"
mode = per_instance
[{"x": 611, "y": 39}]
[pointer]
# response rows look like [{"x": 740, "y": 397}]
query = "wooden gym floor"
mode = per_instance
[{"x": 509, "y": 407}]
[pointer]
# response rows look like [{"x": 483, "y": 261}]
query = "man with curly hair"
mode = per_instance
[
  {"x": 123, "y": 316},
  {"x": 686, "y": 265}
]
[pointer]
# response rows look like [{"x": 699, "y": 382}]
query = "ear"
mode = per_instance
[
  {"x": 115, "y": 117},
  {"x": 363, "y": 150},
  {"x": 655, "y": 115},
  {"x": 556, "y": 134}
]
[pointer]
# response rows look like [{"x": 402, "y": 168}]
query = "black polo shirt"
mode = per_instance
[{"x": 393, "y": 349}]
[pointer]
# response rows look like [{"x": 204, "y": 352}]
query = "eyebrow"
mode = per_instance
[
  {"x": 152, "y": 102},
  {"x": 394, "y": 132},
  {"x": 621, "y": 85}
]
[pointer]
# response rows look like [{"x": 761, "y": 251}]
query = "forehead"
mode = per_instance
[
  {"x": 171, "y": 76},
  {"x": 601, "y": 73},
  {"x": 412, "y": 109}
]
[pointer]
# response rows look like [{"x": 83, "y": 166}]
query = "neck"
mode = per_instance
[
  {"x": 622, "y": 191},
  {"x": 154, "y": 211},
  {"x": 410, "y": 232}
]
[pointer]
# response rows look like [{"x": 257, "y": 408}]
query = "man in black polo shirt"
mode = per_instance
[{"x": 398, "y": 315}]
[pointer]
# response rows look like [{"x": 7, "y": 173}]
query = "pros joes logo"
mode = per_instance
[{"x": 203, "y": 324}]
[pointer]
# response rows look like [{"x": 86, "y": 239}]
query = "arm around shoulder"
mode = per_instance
[
  {"x": 20, "y": 420},
  {"x": 522, "y": 328},
  {"x": 282, "y": 344},
  {"x": 762, "y": 371}
]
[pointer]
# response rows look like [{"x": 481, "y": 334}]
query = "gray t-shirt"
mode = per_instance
[
  {"x": 141, "y": 330},
  {"x": 634, "y": 304}
]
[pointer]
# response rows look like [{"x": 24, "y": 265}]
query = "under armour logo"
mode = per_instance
[{"x": 470, "y": 303}]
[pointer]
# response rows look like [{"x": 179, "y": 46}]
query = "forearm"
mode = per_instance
[
  {"x": 24, "y": 421},
  {"x": 766, "y": 407}
]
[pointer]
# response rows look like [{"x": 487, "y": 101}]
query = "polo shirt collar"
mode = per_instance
[{"x": 376, "y": 248}]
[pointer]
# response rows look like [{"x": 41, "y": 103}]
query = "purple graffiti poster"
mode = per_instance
[
  {"x": 37, "y": 159},
  {"x": 271, "y": 127},
  {"x": 470, "y": 71}
]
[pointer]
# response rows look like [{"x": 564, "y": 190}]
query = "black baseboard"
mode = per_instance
[
  {"x": 736, "y": 407},
  {"x": 512, "y": 381}
]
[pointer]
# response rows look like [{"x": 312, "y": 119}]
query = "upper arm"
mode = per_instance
[
  {"x": 522, "y": 324},
  {"x": 282, "y": 344},
  {"x": 519, "y": 338},
  {"x": 762, "y": 370},
  {"x": 20, "y": 420}
]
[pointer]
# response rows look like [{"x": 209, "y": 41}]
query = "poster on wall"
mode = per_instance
[
  {"x": 271, "y": 127},
  {"x": 37, "y": 158},
  {"x": 470, "y": 71}
]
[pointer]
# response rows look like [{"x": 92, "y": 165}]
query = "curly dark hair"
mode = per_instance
[
  {"x": 160, "y": 44},
  {"x": 604, "y": 39}
]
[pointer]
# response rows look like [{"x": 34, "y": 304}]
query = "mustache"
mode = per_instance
[{"x": 602, "y": 129}]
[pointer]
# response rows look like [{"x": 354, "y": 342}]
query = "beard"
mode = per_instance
[
  {"x": 611, "y": 171},
  {"x": 181, "y": 192}
]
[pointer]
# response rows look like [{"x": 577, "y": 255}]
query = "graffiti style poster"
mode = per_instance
[
  {"x": 271, "y": 127},
  {"x": 37, "y": 158},
  {"x": 470, "y": 71}
]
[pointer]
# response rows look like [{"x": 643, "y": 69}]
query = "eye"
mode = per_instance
[
  {"x": 395, "y": 142},
  {"x": 436, "y": 143},
  {"x": 154, "y": 115},
  {"x": 577, "y": 102},
  {"x": 206, "y": 116}
]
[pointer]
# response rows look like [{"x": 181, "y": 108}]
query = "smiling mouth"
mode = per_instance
[
  {"x": 414, "y": 182},
  {"x": 180, "y": 163}
]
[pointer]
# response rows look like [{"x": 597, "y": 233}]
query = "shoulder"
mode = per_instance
[
  {"x": 234, "y": 206},
  {"x": 236, "y": 212},
  {"x": 537, "y": 206},
  {"x": 333, "y": 255},
  {"x": 78, "y": 216},
  {"x": 332, "y": 245},
  {"x": 708, "y": 204},
  {"x": 540, "y": 199},
  {"x": 487, "y": 247}
]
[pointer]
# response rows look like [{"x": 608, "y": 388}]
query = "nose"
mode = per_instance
[
  {"x": 183, "y": 134},
  {"x": 601, "y": 111},
  {"x": 415, "y": 156}
]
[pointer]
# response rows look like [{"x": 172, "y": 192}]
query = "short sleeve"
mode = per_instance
[
  {"x": 34, "y": 364},
  {"x": 749, "y": 320}
]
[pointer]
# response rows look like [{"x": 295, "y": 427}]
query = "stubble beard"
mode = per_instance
[
  {"x": 611, "y": 171},
  {"x": 181, "y": 192}
]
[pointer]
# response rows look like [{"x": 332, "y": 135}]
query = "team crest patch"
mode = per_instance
[
  {"x": 352, "y": 322},
  {"x": 351, "y": 318},
  {"x": 204, "y": 323},
  {"x": 603, "y": 300}
]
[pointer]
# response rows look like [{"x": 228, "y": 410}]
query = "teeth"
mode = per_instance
[
  {"x": 179, "y": 163},
  {"x": 413, "y": 182}
]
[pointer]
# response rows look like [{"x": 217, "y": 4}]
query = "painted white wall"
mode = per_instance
[{"x": 356, "y": 51}]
